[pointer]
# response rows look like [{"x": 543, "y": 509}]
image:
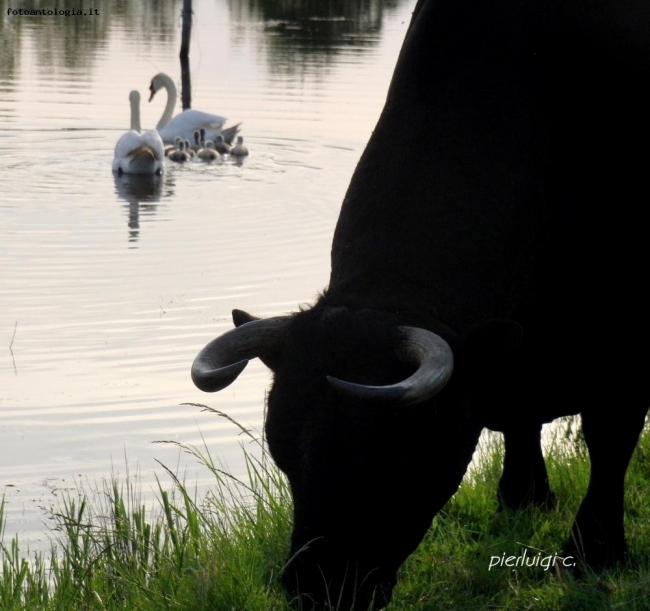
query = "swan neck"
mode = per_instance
[
  {"x": 135, "y": 115},
  {"x": 168, "y": 84}
]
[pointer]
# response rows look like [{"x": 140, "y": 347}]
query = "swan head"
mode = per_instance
[
  {"x": 157, "y": 83},
  {"x": 134, "y": 97}
]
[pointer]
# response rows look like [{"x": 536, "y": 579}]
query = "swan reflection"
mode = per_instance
[
  {"x": 141, "y": 188},
  {"x": 141, "y": 192}
]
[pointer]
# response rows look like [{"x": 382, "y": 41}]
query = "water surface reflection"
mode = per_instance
[
  {"x": 73, "y": 44},
  {"x": 110, "y": 286}
]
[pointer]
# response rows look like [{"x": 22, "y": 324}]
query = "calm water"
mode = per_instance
[{"x": 109, "y": 288}]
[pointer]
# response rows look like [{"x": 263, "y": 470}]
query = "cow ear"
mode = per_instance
[
  {"x": 239, "y": 317},
  {"x": 271, "y": 357}
]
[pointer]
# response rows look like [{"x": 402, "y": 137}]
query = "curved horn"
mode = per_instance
[
  {"x": 435, "y": 362},
  {"x": 225, "y": 357}
]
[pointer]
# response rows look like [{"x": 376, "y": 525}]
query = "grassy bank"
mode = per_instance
[{"x": 226, "y": 550}]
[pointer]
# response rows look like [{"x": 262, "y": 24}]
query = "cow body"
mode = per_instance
[{"x": 505, "y": 221}]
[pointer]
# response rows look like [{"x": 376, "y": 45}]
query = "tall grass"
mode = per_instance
[{"x": 225, "y": 551}]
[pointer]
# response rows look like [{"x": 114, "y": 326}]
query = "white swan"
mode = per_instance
[
  {"x": 187, "y": 122},
  {"x": 137, "y": 152}
]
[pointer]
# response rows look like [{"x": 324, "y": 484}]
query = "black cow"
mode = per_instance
[{"x": 488, "y": 270}]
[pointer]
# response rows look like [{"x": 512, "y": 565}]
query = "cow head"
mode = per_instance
[{"x": 370, "y": 455}]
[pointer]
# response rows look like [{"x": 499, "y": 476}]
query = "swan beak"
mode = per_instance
[{"x": 153, "y": 92}]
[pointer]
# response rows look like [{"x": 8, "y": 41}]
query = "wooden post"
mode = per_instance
[{"x": 186, "y": 86}]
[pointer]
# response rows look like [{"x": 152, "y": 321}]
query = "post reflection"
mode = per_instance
[
  {"x": 295, "y": 33},
  {"x": 300, "y": 35}
]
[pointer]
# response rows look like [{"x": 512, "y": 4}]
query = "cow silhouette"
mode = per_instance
[{"x": 489, "y": 269}]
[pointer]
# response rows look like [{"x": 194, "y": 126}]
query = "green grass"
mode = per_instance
[
  {"x": 450, "y": 569},
  {"x": 226, "y": 550}
]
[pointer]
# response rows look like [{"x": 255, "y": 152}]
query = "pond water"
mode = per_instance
[{"x": 109, "y": 287}]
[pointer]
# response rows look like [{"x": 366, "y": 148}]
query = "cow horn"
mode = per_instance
[
  {"x": 435, "y": 362},
  {"x": 225, "y": 357}
]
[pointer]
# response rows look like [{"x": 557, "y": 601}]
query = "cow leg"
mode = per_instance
[
  {"x": 524, "y": 480},
  {"x": 598, "y": 535}
]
